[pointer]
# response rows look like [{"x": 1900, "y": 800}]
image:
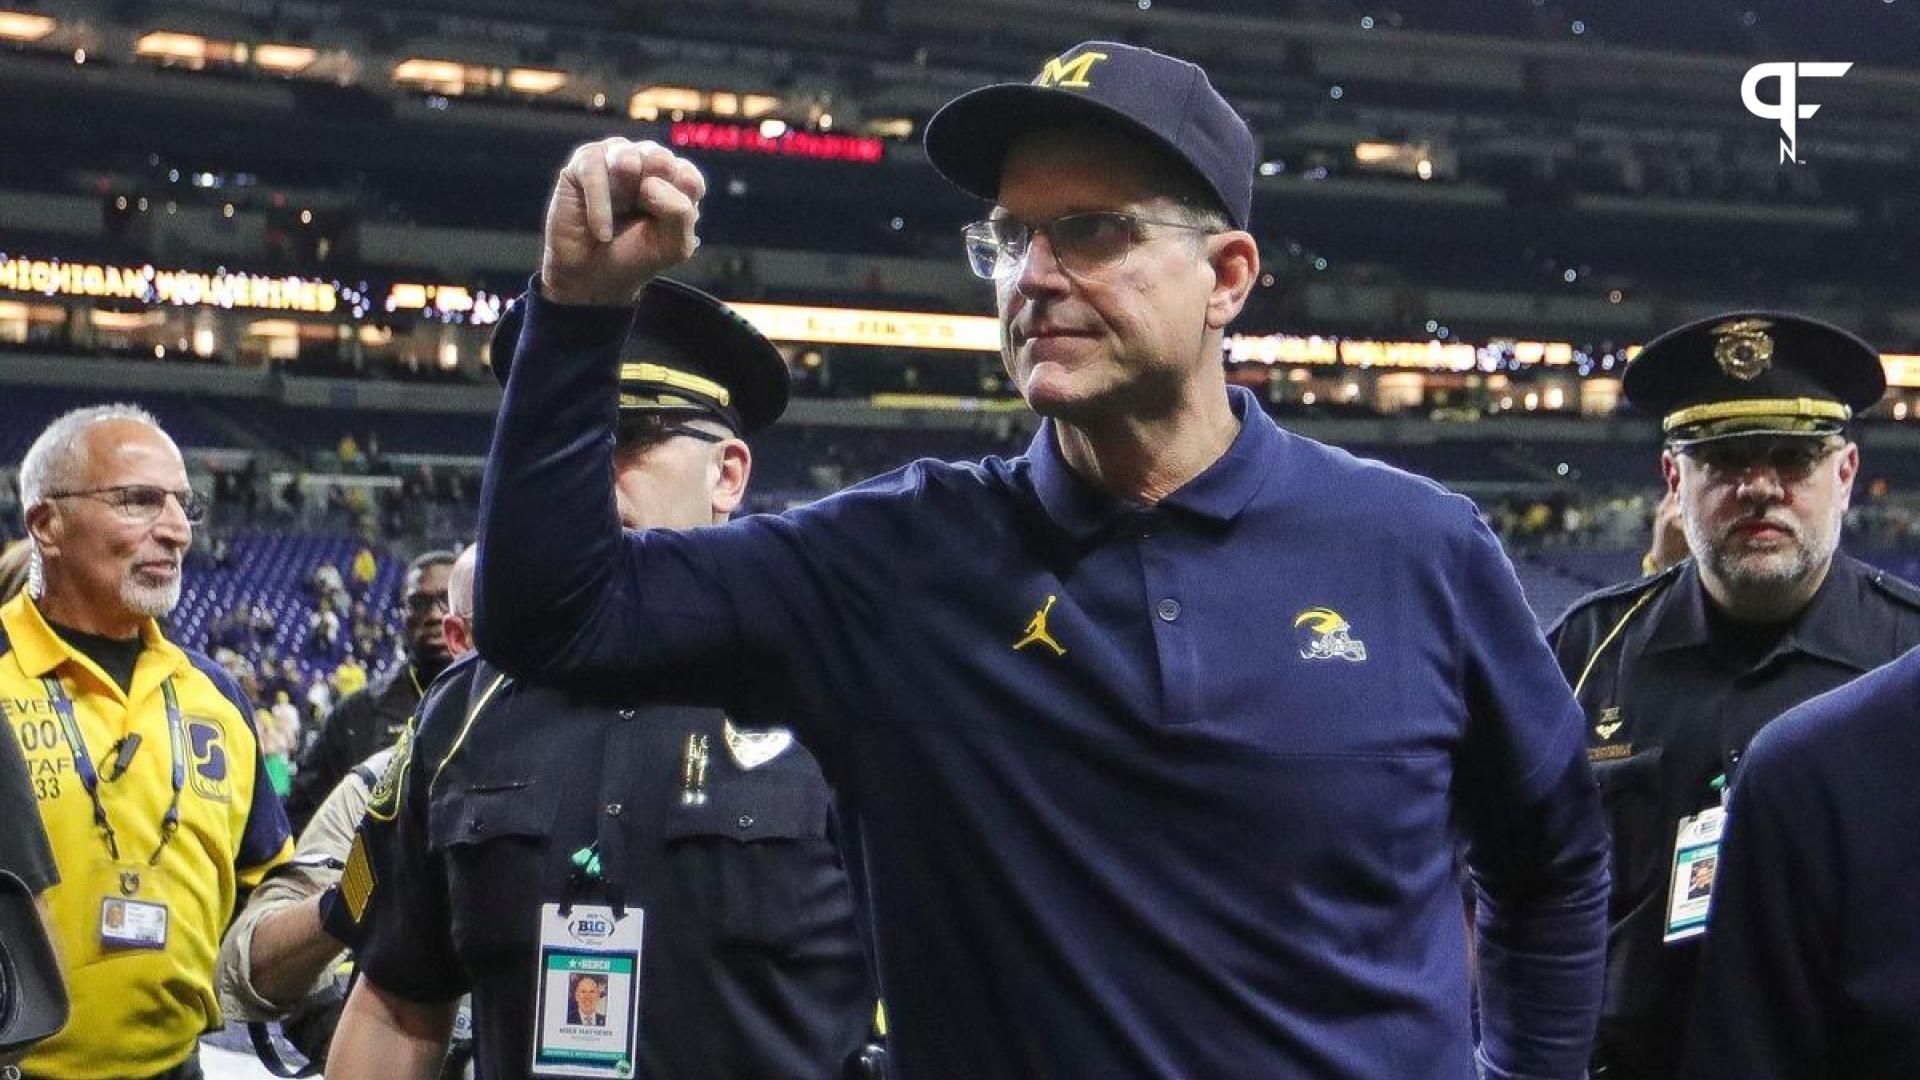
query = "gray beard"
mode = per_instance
[
  {"x": 153, "y": 602},
  {"x": 1758, "y": 576}
]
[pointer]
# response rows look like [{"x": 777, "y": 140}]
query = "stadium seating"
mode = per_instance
[{"x": 273, "y": 570}]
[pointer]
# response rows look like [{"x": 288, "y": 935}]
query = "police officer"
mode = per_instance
[
  {"x": 542, "y": 839},
  {"x": 1676, "y": 672}
]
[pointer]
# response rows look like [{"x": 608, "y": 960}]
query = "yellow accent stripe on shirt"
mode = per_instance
[
  {"x": 472, "y": 715},
  {"x": 1611, "y": 634},
  {"x": 356, "y": 881}
]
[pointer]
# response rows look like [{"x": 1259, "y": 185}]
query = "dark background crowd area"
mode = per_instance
[{"x": 1577, "y": 171}]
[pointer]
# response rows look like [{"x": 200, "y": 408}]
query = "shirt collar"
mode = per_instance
[
  {"x": 1218, "y": 494},
  {"x": 1826, "y": 629},
  {"x": 40, "y": 650}
]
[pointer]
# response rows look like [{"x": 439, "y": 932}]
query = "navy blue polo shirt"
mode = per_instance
[
  {"x": 1134, "y": 792},
  {"x": 1812, "y": 959}
]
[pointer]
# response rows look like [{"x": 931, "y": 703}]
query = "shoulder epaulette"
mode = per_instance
[
  {"x": 1641, "y": 591},
  {"x": 1895, "y": 586},
  {"x": 1632, "y": 586},
  {"x": 1631, "y": 590}
]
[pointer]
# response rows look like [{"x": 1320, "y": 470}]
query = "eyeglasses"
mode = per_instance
[
  {"x": 645, "y": 430},
  {"x": 425, "y": 603},
  {"x": 1083, "y": 243},
  {"x": 1790, "y": 460},
  {"x": 142, "y": 503}
]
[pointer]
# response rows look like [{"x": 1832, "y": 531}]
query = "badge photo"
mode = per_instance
[{"x": 587, "y": 990}]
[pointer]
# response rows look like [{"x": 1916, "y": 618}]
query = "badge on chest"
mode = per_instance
[
  {"x": 1696, "y": 858},
  {"x": 587, "y": 991},
  {"x": 132, "y": 916},
  {"x": 1606, "y": 740}
]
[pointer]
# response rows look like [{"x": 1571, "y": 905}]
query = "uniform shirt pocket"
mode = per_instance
[
  {"x": 1630, "y": 792},
  {"x": 479, "y": 813},
  {"x": 495, "y": 839},
  {"x": 754, "y": 862}
]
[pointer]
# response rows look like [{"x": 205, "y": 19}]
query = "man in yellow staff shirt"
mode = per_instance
[{"x": 142, "y": 755}]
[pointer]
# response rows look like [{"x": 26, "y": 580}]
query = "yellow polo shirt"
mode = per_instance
[{"x": 138, "y": 1010}]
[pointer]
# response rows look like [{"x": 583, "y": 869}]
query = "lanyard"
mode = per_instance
[{"x": 90, "y": 779}]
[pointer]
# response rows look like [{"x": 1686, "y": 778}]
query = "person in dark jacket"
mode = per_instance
[
  {"x": 371, "y": 719},
  {"x": 1677, "y": 671},
  {"x": 1812, "y": 962},
  {"x": 1157, "y": 741}
]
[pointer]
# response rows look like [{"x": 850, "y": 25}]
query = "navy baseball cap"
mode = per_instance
[
  {"x": 1167, "y": 99},
  {"x": 1748, "y": 373},
  {"x": 688, "y": 354}
]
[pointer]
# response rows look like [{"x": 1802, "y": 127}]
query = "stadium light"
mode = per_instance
[
  {"x": 535, "y": 80},
  {"x": 25, "y": 26},
  {"x": 172, "y": 48},
  {"x": 283, "y": 59},
  {"x": 1377, "y": 153},
  {"x": 649, "y": 103},
  {"x": 440, "y": 76},
  {"x": 757, "y": 105}
]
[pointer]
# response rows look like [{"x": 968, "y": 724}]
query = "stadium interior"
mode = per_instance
[{"x": 288, "y": 227}]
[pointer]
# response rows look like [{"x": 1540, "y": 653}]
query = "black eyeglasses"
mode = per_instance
[
  {"x": 643, "y": 430},
  {"x": 1792, "y": 460},
  {"x": 424, "y": 603},
  {"x": 142, "y": 503},
  {"x": 1083, "y": 242}
]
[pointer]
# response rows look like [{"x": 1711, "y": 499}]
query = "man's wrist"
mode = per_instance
[
  {"x": 335, "y": 918},
  {"x": 573, "y": 294}
]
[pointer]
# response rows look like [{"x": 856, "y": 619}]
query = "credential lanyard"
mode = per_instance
[{"x": 90, "y": 778}]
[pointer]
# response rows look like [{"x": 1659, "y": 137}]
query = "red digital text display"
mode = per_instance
[{"x": 732, "y": 138}]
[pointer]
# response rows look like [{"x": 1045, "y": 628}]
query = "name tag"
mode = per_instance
[
  {"x": 587, "y": 1006},
  {"x": 132, "y": 924},
  {"x": 1696, "y": 859}
]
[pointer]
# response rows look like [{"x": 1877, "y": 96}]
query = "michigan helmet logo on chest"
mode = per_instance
[{"x": 1326, "y": 636}]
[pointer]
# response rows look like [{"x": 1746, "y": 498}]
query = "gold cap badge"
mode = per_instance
[{"x": 1743, "y": 348}]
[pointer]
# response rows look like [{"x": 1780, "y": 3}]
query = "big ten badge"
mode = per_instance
[
  {"x": 588, "y": 991},
  {"x": 1696, "y": 858}
]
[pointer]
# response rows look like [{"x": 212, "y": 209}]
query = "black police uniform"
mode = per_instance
[
  {"x": 1673, "y": 689},
  {"x": 1673, "y": 693},
  {"x": 750, "y": 966},
  {"x": 512, "y": 796}
]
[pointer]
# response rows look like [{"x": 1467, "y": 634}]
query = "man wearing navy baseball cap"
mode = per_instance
[
  {"x": 1145, "y": 773},
  {"x": 1677, "y": 671}
]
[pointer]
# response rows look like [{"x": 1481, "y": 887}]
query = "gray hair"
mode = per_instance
[{"x": 60, "y": 452}]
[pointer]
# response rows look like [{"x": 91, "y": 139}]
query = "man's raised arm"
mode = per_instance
[{"x": 549, "y": 592}]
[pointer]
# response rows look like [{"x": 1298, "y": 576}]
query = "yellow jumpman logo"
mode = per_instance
[{"x": 1037, "y": 631}]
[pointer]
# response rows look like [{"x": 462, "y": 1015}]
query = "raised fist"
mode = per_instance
[{"x": 622, "y": 212}]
